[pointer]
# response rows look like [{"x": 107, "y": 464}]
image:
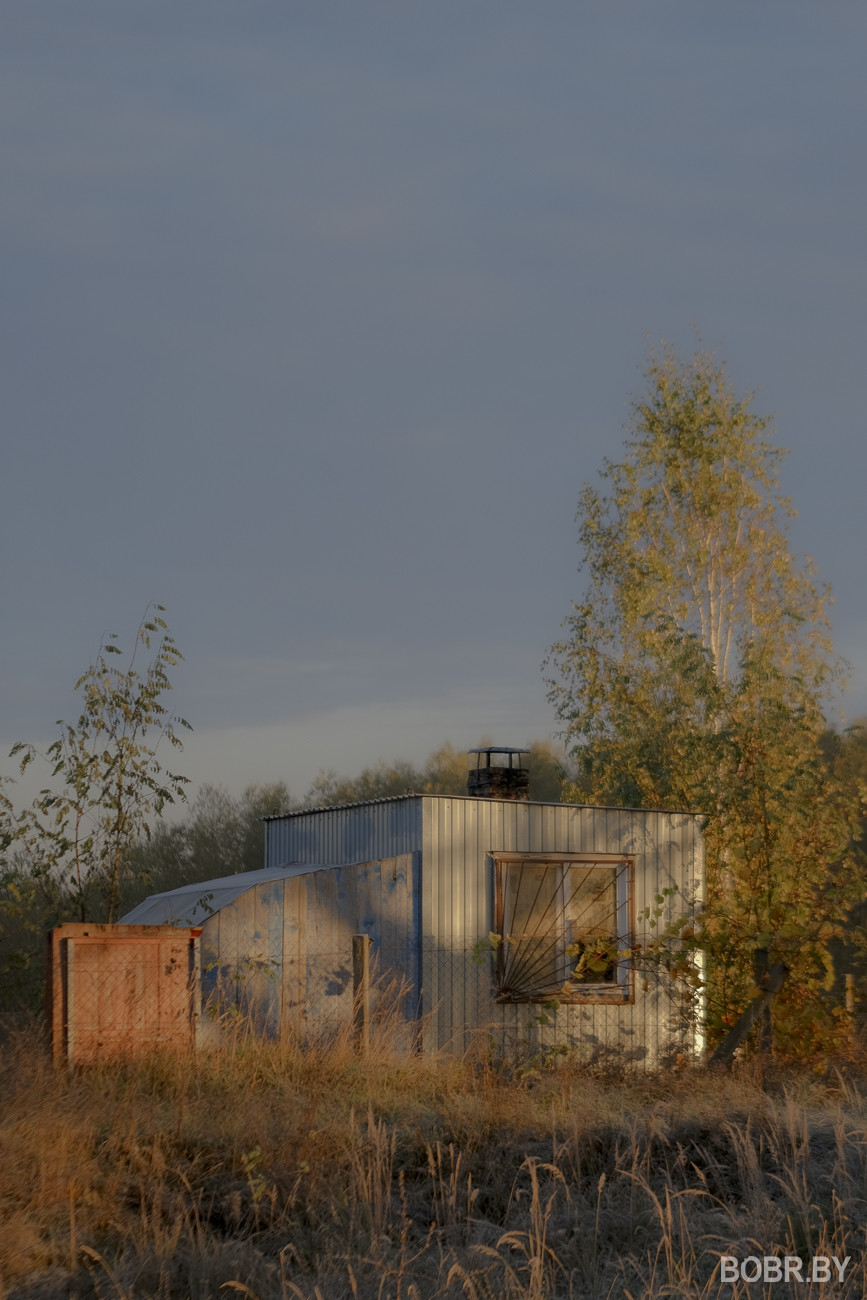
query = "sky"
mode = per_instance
[{"x": 316, "y": 317}]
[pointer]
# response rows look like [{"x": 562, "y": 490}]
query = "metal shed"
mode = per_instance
[
  {"x": 510, "y": 921},
  {"x": 512, "y": 869}
]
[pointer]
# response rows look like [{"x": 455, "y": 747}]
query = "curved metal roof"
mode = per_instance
[{"x": 193, "y": 904}]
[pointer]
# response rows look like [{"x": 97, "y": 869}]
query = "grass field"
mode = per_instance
[{"x": 269, "y": 1171}]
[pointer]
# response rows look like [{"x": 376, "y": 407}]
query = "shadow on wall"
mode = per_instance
[{"x": 243, "y": 998}]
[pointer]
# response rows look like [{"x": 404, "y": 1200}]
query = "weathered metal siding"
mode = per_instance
[
  {"x": 459, "y": 838},
  {"x": 281, "y": 953},
  {"x": 359, "y": 833},
  {"x": 454, "y": 840}
]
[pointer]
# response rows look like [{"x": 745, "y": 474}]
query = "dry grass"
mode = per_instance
[{"x": 269, "y": 1171}]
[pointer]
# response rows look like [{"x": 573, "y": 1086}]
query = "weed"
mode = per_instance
[{"x": 278, "y": 1172}]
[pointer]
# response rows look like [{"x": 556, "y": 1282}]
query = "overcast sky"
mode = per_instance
[{"x": 316, "y": 316}]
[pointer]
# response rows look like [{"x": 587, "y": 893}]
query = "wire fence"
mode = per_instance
[
  {"x": 638, "y": 1019},
  {"x": 22, "y": 988},
  {"x": 108, "y": 992},
  {"x": 114, "y": 990},
  {"x": 450, "y": 1002},
  {"x": 312, "y": 997}
]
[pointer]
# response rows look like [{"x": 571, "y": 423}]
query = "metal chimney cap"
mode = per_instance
[
  {"x": 501, "y": 776},
  {"x": 498, "y": 749}
]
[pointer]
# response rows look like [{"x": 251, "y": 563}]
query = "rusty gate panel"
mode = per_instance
[{"x": 118, "y": 989}]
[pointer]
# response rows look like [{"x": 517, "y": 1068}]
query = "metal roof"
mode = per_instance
[
  {"x": 355, "y": 803},
  {"x": 193, "y": 904},
  {"x": 422, "y": 794}
]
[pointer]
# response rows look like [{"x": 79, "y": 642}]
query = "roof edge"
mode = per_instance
[{"x": 535, "y": 803}]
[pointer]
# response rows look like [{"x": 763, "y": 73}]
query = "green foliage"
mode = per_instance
[
  {"x": 28, "y": 907},
  {"x": 484, "y": 949},
  {"x": 106, "y": 782},
  {"x": 379, "y": 782},
  {"x": 222, "y": 834},
  {"x": 693, "y": 675}
]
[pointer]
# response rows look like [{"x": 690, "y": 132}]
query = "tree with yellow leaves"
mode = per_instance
[{"x": 693, "y": 674}]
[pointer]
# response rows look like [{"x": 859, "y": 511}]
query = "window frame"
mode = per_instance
[{"x": 618, "y": 991}]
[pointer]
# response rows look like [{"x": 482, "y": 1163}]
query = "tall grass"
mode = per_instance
[{"x": 270, "y": 1171}]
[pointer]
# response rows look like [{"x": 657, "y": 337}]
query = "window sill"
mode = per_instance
[{"x": 611, "y": 994}]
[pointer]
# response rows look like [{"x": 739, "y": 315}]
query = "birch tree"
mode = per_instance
[
  {"x": 106, "y": 779},
  {"x": 693, "y": 674}
]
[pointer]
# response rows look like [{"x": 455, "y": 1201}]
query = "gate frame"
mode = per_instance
[{"x": 60, "y": 984}]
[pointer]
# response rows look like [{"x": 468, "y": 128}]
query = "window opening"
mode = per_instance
[{"x": 564, "y": 925}]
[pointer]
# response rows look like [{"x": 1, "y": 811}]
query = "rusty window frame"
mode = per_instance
[{"x": 512, "y": 985}]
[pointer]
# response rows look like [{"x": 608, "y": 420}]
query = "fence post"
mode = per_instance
[
  {"x": 361, "y": 990},
  {"x": 195, "y": 986},
  {"x": 67, "y": 949}
]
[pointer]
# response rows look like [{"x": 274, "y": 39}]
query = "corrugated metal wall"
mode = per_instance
[
  {"x": 361, "y": 833},
  {"x": 281, "y": 953},
  {"x": 460, "y": 837},
  {"x": 457, "y": 838}
]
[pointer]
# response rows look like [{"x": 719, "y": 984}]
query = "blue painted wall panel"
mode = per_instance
[{"x": 359, "y": 833}]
